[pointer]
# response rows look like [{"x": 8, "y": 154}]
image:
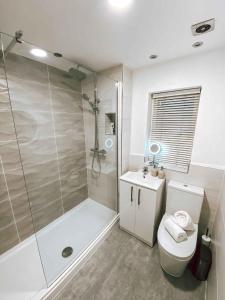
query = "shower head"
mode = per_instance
[
  {"x": 79, "y": 75},
  {"x": 93, "y": 105}
]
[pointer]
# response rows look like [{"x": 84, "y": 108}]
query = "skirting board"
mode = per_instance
[{"x": 55, "y": 289}]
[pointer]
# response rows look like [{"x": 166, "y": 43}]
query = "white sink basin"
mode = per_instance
[{"x": 138, "y": 178}]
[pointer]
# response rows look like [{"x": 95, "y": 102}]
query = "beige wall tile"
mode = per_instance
[
  {"x": 43, "y": 195},
  {"x": 26, "y": 95},
  {"x": 73, "y": 197},
  {"x": 46, "y": 215},
  {"x": 70, "y": 145},
  {"x": 25, "y": 227},
  {"x": 15, "y": 182},
  {"x": 6, "y": 216},
  {"x": 66, "y": 101},
  {"x": 70, "y": 164},
  {"x": 38, "y": 151},
  {"x": 74, "y": 179},
  {"x": 21, "y": 206},
  {"x": 33, "y": 125},
  {"x": 7, "y": 131},
  {"x": 40, "y": 174},
  {"x": 10, "y": 155},
  {"x": 103, "y": 189},
  {"x": 69, "y": 124},
  {"x": 3, "y": 187},
  {"x": 8, "y": 238},
  {"x": 4, "y": 98}
]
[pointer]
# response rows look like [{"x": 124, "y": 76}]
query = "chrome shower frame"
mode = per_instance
[{"x": 14, "y": 41}]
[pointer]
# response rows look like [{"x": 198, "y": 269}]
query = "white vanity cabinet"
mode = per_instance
[{"x": 140, "y": 205}]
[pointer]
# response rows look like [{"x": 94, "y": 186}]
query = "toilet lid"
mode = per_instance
[{"x": 181, "y": 250}]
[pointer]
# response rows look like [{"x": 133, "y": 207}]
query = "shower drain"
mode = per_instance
[{"x": 67, "y": 251}]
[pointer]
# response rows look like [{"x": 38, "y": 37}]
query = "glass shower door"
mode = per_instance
[{"x": 71, "y": 202}]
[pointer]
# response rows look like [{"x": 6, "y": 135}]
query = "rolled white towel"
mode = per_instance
[
  {"x": 174, "y": 230},
  {"x": 184, "y": 220}
]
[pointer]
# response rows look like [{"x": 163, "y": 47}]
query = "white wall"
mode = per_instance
[
  {"x": 216, "y": 280},
  {"x": 205, "y": 70}
]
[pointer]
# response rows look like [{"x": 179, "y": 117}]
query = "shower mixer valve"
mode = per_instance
[{"x": 102, "y": 151}]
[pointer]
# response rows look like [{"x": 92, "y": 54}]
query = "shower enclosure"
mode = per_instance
[{"x": 58, "y": 149}]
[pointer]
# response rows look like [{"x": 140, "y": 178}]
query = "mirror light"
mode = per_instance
[
  {"x": 120, "y": 3},
  {"x": 38, "y": 52},
  {"x": 154, "y": 148}
]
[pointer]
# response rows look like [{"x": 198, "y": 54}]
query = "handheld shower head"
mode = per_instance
[{"x": 93, "y": 105}]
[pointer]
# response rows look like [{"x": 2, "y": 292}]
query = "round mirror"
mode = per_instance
[{"x": 154, "y": 148}]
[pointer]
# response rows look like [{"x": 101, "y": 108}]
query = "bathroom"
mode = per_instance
[{"x": 112, "y": 168}]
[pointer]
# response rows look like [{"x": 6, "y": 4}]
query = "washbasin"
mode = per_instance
[{"x": 146, "y": 181}]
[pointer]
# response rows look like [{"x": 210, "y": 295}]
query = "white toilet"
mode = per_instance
[{"x": 174, "y": 256}]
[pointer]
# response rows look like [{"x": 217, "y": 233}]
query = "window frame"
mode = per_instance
[{"x": 147, "y": 155}]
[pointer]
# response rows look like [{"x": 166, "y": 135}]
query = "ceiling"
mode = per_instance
[{"x": 94, "y": 34}]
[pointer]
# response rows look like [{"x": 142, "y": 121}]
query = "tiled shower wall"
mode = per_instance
[
  {"x": 15, "y": 217},
  {"x": 123, "y": 74},
  {"x": 48, "y": 115},
  {"x": 103, "y": 187}
]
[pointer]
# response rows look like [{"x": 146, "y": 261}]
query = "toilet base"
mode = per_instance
[{"x": 171, "y": 265}]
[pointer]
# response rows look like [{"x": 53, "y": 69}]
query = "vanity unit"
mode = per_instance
[{"x": 140, "y": 205}]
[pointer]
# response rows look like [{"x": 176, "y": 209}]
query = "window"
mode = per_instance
[{"x": 172, "y": 125}]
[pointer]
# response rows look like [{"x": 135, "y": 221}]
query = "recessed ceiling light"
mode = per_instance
[
  {"x": 120, "y": 3},
  {"x": 57, "y": 54},
  {"x": 153, "y": 56},
  {"x": 197, "y": 44},
  {"x": 38, "y": 52}
]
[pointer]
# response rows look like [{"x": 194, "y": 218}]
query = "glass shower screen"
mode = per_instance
[{"x": 65, "y": 126}]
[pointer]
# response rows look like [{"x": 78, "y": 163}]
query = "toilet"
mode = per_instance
[{"x": 174, "y": 256}]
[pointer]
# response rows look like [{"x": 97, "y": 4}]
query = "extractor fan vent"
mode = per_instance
[{"x": 203, "y": 27}]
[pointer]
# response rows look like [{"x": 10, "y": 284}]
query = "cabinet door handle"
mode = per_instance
[
  {"x": 131, "y": 194},
  {"x": 139, "y": 196}
]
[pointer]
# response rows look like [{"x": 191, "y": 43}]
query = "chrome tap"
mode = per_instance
[{"x": 153, "y": 163}]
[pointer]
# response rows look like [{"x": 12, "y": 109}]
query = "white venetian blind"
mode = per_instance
[{"x": 173, "y": 121}]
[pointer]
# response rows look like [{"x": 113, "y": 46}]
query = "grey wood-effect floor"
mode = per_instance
[{"x": 124, "y": 268}]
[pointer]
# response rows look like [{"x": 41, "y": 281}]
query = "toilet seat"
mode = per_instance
[{"x": 181, "y": 251}]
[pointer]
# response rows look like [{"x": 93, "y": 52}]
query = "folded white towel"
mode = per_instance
[
  {"x": 184, "y": 220},
  {"x": 174, "y": 230}
]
